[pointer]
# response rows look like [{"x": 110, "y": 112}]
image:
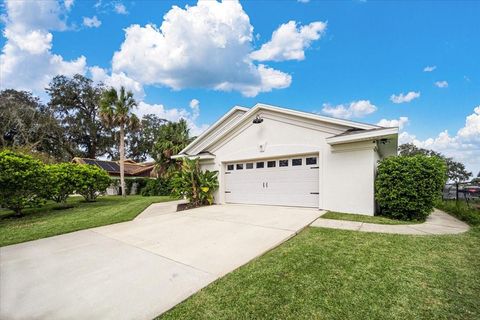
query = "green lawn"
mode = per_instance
[
  {"x": 363, "y": 218},
  {"x": 45, "y": 221},
  {"x": 336, "y": 274}
]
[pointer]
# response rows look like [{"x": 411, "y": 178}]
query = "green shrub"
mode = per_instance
[
  {"x": 22, "y": 181},
  {"x": 63, "y": 181},
  {"x": 140, "y": 182},
  {"x": 197, "y": 185},
  {"x": 461, "y": 210},
  {"x": 157, "y": 187},
  {"x": 406, "y": 187},
  {"x": 91, "y": 181}
]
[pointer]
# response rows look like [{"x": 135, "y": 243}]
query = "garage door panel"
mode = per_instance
[{"x": 289, "y": 186}]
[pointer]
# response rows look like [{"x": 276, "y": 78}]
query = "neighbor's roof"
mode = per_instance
[{"x": 132, "y": 169}]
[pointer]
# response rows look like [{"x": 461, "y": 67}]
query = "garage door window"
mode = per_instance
[
  {"x": 296, "y": 162},
  {"x": 311, "y": 160},
  {"x": 249, "y": 165},
  {"x": 239, "y": 166},
  {"x": 260, "y": 165},
  {"x": 230, "y": 167},
  {"x": 283, "y": 163},
  {"x": 271, "y": 164}
]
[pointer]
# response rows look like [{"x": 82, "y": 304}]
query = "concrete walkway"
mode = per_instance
[
  {"x": 438, "y": 222},
  {"x": 141, "y": 268}
]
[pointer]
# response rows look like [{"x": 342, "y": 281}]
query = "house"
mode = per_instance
[
  {"x": 132, "y": 170},
  {"x": 275, "y": 156}
]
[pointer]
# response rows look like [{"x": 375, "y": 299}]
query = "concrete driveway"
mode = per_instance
[{"x": 141, "y": 268}]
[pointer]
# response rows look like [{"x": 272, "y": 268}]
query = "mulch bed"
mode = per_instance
[{"x": 187, "y": 206}]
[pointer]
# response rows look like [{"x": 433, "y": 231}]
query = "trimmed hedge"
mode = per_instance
[
  {"x": 91, "y": 181},
  {"x": 23, "y": 181},
  {"x": 406, "y": 188}
]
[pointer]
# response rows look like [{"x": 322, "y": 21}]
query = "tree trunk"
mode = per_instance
[{"x": 122, "y": 160}]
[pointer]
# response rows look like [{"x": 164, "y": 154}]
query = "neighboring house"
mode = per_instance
[
  {"x": 132, "y": 170},
  {"x": 275, "y": 156}
]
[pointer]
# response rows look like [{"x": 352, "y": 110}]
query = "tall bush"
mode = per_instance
[
  {"x": 407, "y": 187},
  {"x": 197, "y": 185},
  {"x": 22, "y": 181},
  {"x": 157, "y": 187},
  {"x": 91, "y": 181},
  {"x": 63, "y": 181}
]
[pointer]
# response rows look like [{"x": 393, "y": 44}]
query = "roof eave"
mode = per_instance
[
  {"x": 364, "y": 136},
  {"x": 213, "y": 127}
]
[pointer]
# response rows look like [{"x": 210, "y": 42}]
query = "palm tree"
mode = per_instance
[
  {"x": 173, "y": 137},
  {"x": 116, "y": 111}
]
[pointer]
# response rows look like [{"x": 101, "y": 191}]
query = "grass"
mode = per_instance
[
  {"x": 336, "y": 274},
  {"x": 49, "y": 221},
  {"x": 469, "y": 214},
  {"x": 363, "y": 218}
]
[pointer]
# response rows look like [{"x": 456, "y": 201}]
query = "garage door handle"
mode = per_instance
[
  {"x": 313, "y": 192},
  {"x": 263, "y": 184},
  {"x": 267, "y": 184}
]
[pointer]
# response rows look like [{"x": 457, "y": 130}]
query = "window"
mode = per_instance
[
  {"x": 260, "y": 165},
  {"x": 239, "y": 166},
  {"x": 283, "y": 163},
  {"x": 271, "y": 164},
  {"x": 230, "y": 167},
  {"x": 311, "y": 160},
  {"x": 249, "y": 165},
  {"x": 296, "y": 162}
]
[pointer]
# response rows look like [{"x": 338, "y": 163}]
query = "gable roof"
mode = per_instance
[{"x": 208, "y": 134}]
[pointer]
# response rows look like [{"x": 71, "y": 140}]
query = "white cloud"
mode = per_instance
[
  {"x": 120, "y": 8},
  {"x": 26, "y": 61},
  {"x": 463, "y": 147},
  {"x": 68, "y": 4},
  {"x": 441, "y": 84},
  {"x": 402, "y": 98},
  {"x": 289, "y": 42},
  {"x": 356, "y": 109},
  {"x": 92, "y": 22},
  {"x": 117, "y": 80},
  {"x": 202, "y": 46},
  {"x": 195, "y": 106},
  {"x": 174, "y": 114},
  {"x": 429, "y": 68},
  {"x": 399, "y": 123},
  {"x": 303, "y": 1}
]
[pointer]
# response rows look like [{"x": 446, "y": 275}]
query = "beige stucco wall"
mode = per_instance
[{"x": 346, "y": 172}]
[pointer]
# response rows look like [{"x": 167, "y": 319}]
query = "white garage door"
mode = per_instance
[{"x": 289, "y": 181}]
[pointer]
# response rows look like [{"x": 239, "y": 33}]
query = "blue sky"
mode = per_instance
[{"x": 343, "y": 59}]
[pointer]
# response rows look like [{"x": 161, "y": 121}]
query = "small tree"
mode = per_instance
[
  {"x": 22, "y": 181},
  {"x": 407, "y": 187},
  {"x": 457, "y": 173},
  {"x": 172, "y": 138},
  {"x": 197, "y": 185},
  {"x": 91, "y": 181},
  {"x": 116, "y": 111},
  {"x": 63, "y": 181}
]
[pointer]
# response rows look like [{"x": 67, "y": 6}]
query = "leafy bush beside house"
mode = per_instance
[
  {"x": 406, "y": 188},
  {"x": 196, "y": 185},
  {"x": 22, "y": 181},
  {"x": 62, "y": 181},
  {"x": 91, "y": 181}
]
